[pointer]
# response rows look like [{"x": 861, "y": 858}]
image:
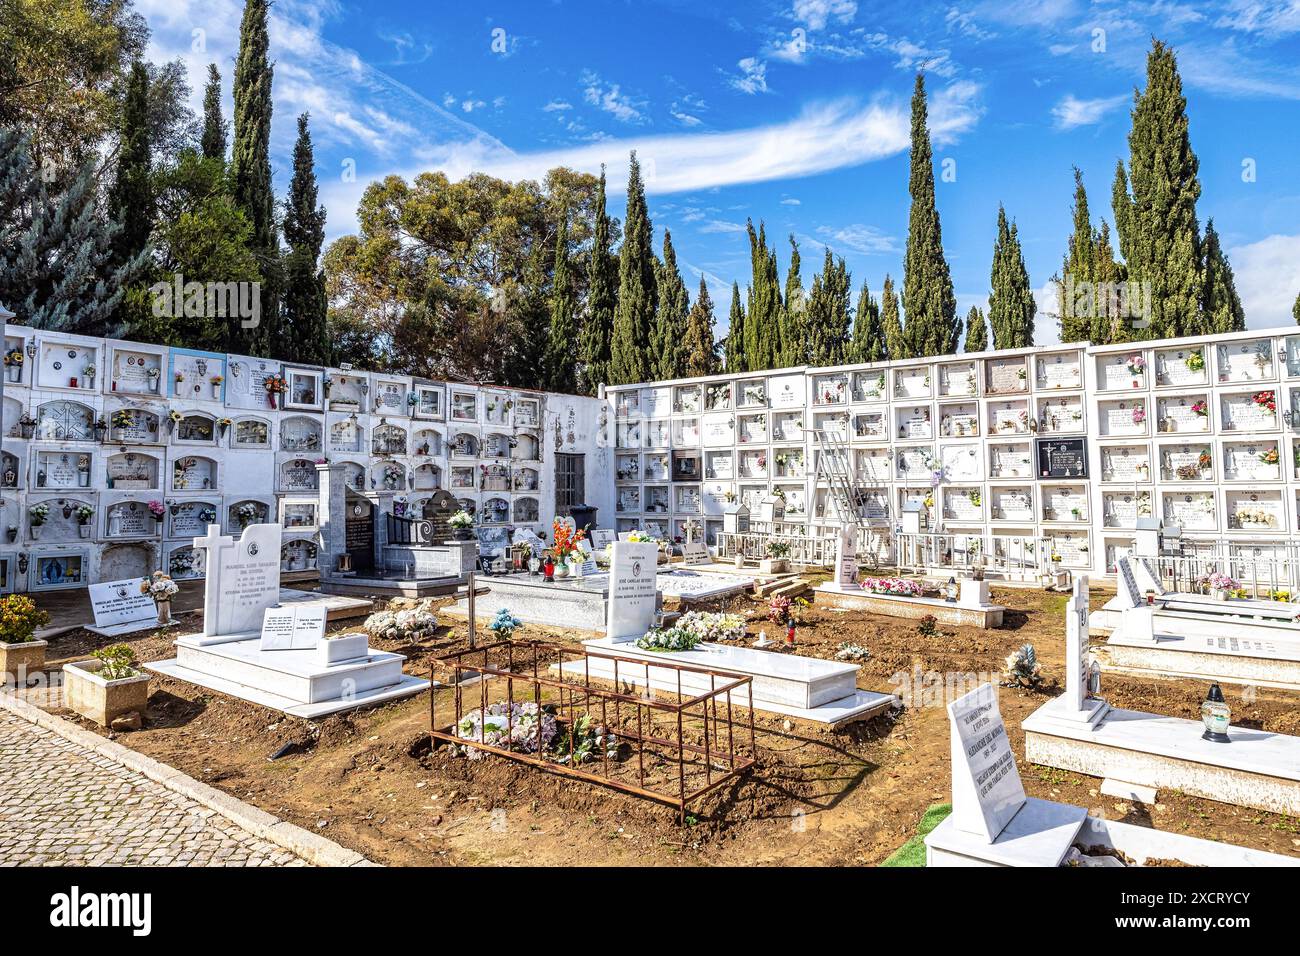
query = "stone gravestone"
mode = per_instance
[
  {"x": 1078, "y": 704},
  {"x": 359, "y": 533},
  {"x": 846, "y": 558},
  {"x": 120, "y": 608},
  {"x": 1137, "y": 621},
  {"x": 633, "y": 597},
  {"x": 243, "y": 580},
  {"x": 696, "y": 552},
  {"x": 292, "y": 628},
  {"x": 1148, "y": 578},
  {"x": 439, "y": 509},
  {"x": 986, "y": 787}
]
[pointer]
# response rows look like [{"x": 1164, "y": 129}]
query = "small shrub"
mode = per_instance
[
  {"x": 928, "y": 626},
  {"x": 118, "y": 661},
  {"x": 19, "y": 618}
]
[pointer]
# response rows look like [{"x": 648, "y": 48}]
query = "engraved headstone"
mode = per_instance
[
  {"x": 632, "y": 594},
  {"x": 986, "y": 787}
]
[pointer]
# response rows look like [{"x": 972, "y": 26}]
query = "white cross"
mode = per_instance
[{"x": 215, "y": 542}]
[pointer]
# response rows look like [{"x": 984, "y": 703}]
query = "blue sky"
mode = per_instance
[{"x": 794, "y": 112}]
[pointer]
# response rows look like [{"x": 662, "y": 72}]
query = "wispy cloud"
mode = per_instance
[
  {"x": 610, "y": 98},
  {"x": 815, "y": 14},
  {"x": 1072, "y": 112},
  {"x": 752, "y": 77},
  {"x": 866, "y": 240},
  {"x": 1269, "y": 18}
]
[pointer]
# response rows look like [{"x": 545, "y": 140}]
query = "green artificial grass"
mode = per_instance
[{"x": 912, "y": 853}]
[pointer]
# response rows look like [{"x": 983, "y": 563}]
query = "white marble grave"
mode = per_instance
[{"x": 120, "y": 608}]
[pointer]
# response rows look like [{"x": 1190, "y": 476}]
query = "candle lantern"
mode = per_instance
[
  {"x": 1216, "y": 715},
  {"x": 950, "y": 591}
]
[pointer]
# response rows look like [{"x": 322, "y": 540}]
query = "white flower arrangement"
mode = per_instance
[
  {"x": 160, "y": 586},
  {"x": 711, "y": 627}
]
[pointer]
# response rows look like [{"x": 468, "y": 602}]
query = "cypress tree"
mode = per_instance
[
  {"x": 933, "y": 327},
  {"x": 1079, "y": 271},
  {"x": 735, "y": 343},
  {"x": 762, "y": 320},
  {"x": 557, "y": 366},
  {"x": 793, "y": 346},
  {"x": 213, "y": 143},
  {"x": 250, "y": 166},
  {"x": 827, "y": 326},
  {"x": 668, "y": 337},
  {"x": 130, "y": 199},
  {"x": 1108, "y": 324},
  {"x": 1295, "y": 309},
  {"x": 977, "y": 336},
  {"x": 1221, "y": 306},
  {"x": 1155, "y": 204},
  {"x": 701, "y": 354},
  {"x": 301, "y": 335},
  {"x": 868, "y": 332},
  {"x": 897, "y": 345},
  {"x": 1011, "y": 303},
  {"x": 601, "y": 300},
  {"x": 637, "y": 295}
]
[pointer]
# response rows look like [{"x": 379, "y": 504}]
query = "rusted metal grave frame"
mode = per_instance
[{"x": 529, "y": 673}]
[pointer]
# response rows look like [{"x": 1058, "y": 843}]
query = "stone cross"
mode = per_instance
[{"x": 215, "y": 543}]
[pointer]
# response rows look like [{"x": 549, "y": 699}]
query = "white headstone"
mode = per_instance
[
  {"x": 243, "y": 579},
  {"x": 632, "y": 593},
  {"x": 1148, "y": 578},
  {"x": 986, "y": 787},
  {"x": 1127, "y": 583},
  {"x": 846, "y": 558},
  {"x": 120, "y": 602},
  {"x": 601, "y": 538},
  {"x": 696, "y": 552},
  {"x": 292, "y": 628},
  {"x": 1137, "y": 621}
]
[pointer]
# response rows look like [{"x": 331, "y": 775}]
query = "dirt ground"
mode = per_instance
[{"x": 372, "y": 781}]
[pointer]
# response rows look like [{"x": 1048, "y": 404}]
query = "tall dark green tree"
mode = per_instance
[
  {"x": 977, "y": 336},
  {"x": 250, "y": 164},
  {"x": 868, "y": 332},
  {"x": 793, "y": 343},
  {"x": 1079, "y": 270},
  {"x": 637, "y": 292},
  {"x": 130, "y": 199},
  {"x": 1222, "y": 311},
  {"x": 668, "y": 336},
  {"x": 827, "y": 324},
  {"x": 700, "y": 349},
  {"x": 558, "y": 368},
  {"x": 897, "y": 344},
  {"x": 1011, "y": 302},
  {"x": 1295, "y": 309},
  {"x": 301, "y": 333},
  {"x": 213, "y": 141},
  {"x": 763, "y": 317},
  {"x": 1155, "y": 201},
  {"x": 929, "y": 302},
  {"x": 602, "y": 279},
  {"x": 735, "y": 342}
]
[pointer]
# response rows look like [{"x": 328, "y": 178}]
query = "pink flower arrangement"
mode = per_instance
[
  {"x": 1201, "y": 408},
  {"x": 1139, "y": 414},
  {"x": 899, "y": 586}
]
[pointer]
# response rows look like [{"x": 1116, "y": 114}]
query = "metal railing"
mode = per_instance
[
  {"x": 1262, "y": 577},
  {"x": 808, "y": 550},
  {"x": 1011, "y": 557}
]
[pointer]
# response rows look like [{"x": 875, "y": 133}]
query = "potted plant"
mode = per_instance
[
  {"x": 14, "y": 365},
  {"x": 26, "y": 425},
  {"x": 224, "y": 425},
  {"x": 20, "y": 653},
  {"x": 462, "y": 525},
  {"x": 37, "y": 515},
  {"x": 162, "y": 589},
  {"x": 89, "y": 373},
  {"x": 84, "y": 514},
  {"x": 274, "y": 385},
  {"x": 106, "y": 686},
  {"x": 158, "y": 510},
  {"x": 504, "y": 624},
  {"x": 777, "y": 557},
  {"x": 216, "y": 381},
  {"x": 337, "y": 648},
  {"x": 246, "y": 514}
]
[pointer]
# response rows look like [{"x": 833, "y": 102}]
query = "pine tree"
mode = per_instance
[
  {"x": 1221, "y": 306},
  {"x": 637, "y": 295},
  {"x": 897, "y": 345},
  {"x": 701, "y": 354},
  {"x": 250, "y": 165},
  {"x": 601, "y": 301},
  {"x": 301, "y": 334},
  {"x": 735, "y": 343},
  {"x": 1011, "y": 303},
  {"x": 868, "y": 333},
  {"x": 977, "y": 336},
  {"x": 213, "y": 142},
  {"x": 1155, "y": 204},
  {"x": 558, "y": 369},
  {"x": 929, "y": 303},
  {"x": 130, "y": 199},
  {"x": 793, "y": 345},
  {"x": 668, "y": 336},
  {"x": 827, "y": 325}
]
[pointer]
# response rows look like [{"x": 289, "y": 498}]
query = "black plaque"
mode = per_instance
[
  {"x": 438, "y": 509},
  {"x": 1062, "y": 458},
  {"x": 359, "y": 534}
]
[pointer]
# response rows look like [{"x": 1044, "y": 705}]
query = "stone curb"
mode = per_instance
[{"x": 313, "y": 848}]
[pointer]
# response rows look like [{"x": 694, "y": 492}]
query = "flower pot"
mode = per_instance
[
  {"x": 349, "y": 647},
  {"x": 26, "y": 430},
  {"x": 216, "y": 393},
  {"x": 270, "y": 398},
  {"x": 561, "y": 570},
  {"x": 164, "y": 607},
  {"x": 1220, "y": 594},
  {"x": 14, "y": 373},
  {"x": 774, "y": 566},
  {"x": 575, "y": 568},
  {"x": 84, "y": 530},
  {"x": 20, "y": 660},
  {"x": 462, "y": 534},
  {"x": 100, "y": 700},
  {"x": 36, "y": 532}
]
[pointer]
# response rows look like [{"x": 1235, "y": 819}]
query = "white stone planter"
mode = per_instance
[
  {"x": 102, "y": 700},
  {"x": 774, "y": 566},
  {"x": 349, "y": 647},
  {"x": 20, "y": 660}
]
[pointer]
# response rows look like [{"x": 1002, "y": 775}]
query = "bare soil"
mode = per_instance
[{"x": 372, "y": 781}]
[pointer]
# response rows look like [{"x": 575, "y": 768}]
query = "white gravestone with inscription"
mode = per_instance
[
  {"x": 292, "y": 629},
  {"x": 986, "y": 787},
  {"x": 696, "y": 552},
  {"x": 120, "y": 608},
  {"x": 846, "y": 559},
  {"x": 633, "y": 597},
  {"x": 1137, "y": 620},
  {"x": 243, "y": 580},
  {"x": 1078, "y": 702}
]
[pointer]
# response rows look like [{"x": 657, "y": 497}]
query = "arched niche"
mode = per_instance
[
  {"x": 346, "y": 435},
  {"x": 526, "y": 510},
  {"x": 13, "y": 411},
  {"x": 388, "y": 439},
  {"x": 250, "y": 511},
  {"x": 527, "y": 448},
  {"x": 65, "y": 420},
  {"x": 468, "y": 505},
  {"x": 133, "y": 426},
  {"x": 298, "y": 554},
  {"x": 118, "y": 562},
  {"x": 299, "y": 474},
  {"x": 196, "y": 428},
  {"x": 495, "y": 511},
  {"x": 354, "y": 475},
  {"x": 496, "y": 445},
  {"x": 131, "y": 469},
  {"x": 526, "y": 479},
  {"x": 251, "y": 433},
  {"x": 194, "y": 473},
  {"x": 388, "y": 476},
  {"x": 185, "y": 562},
  {"x": 428, "y": 477},
  {"x": 300, "y": 433},
  {"x": 428, "y": 441},
  {"x": 10, "y": 472},
  {"x": 129, "y": 519},
  {"x": 464, "y": 445}
]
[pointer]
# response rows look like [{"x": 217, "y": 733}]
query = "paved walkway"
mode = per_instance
[{"x": 62, "y": 804}]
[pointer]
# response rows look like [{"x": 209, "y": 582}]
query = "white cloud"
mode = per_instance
[
  {"x": 791, "y": 201},
  {"x": 866, "y": 240},
  {"x": 1269, "y": 18},
  {"x": 1267, "y": 274},
  {"x": 752, "y": 78},
  {"x": 815, "y": 14},
  {"x": 1072, "y": 112},
  {"x": 610, "y": 98},
  {"x": 555, "y": 106},
  {"x": 721, "y": 225}
]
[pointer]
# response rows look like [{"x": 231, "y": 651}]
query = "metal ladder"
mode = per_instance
[{"x": 835, "y": 467}]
